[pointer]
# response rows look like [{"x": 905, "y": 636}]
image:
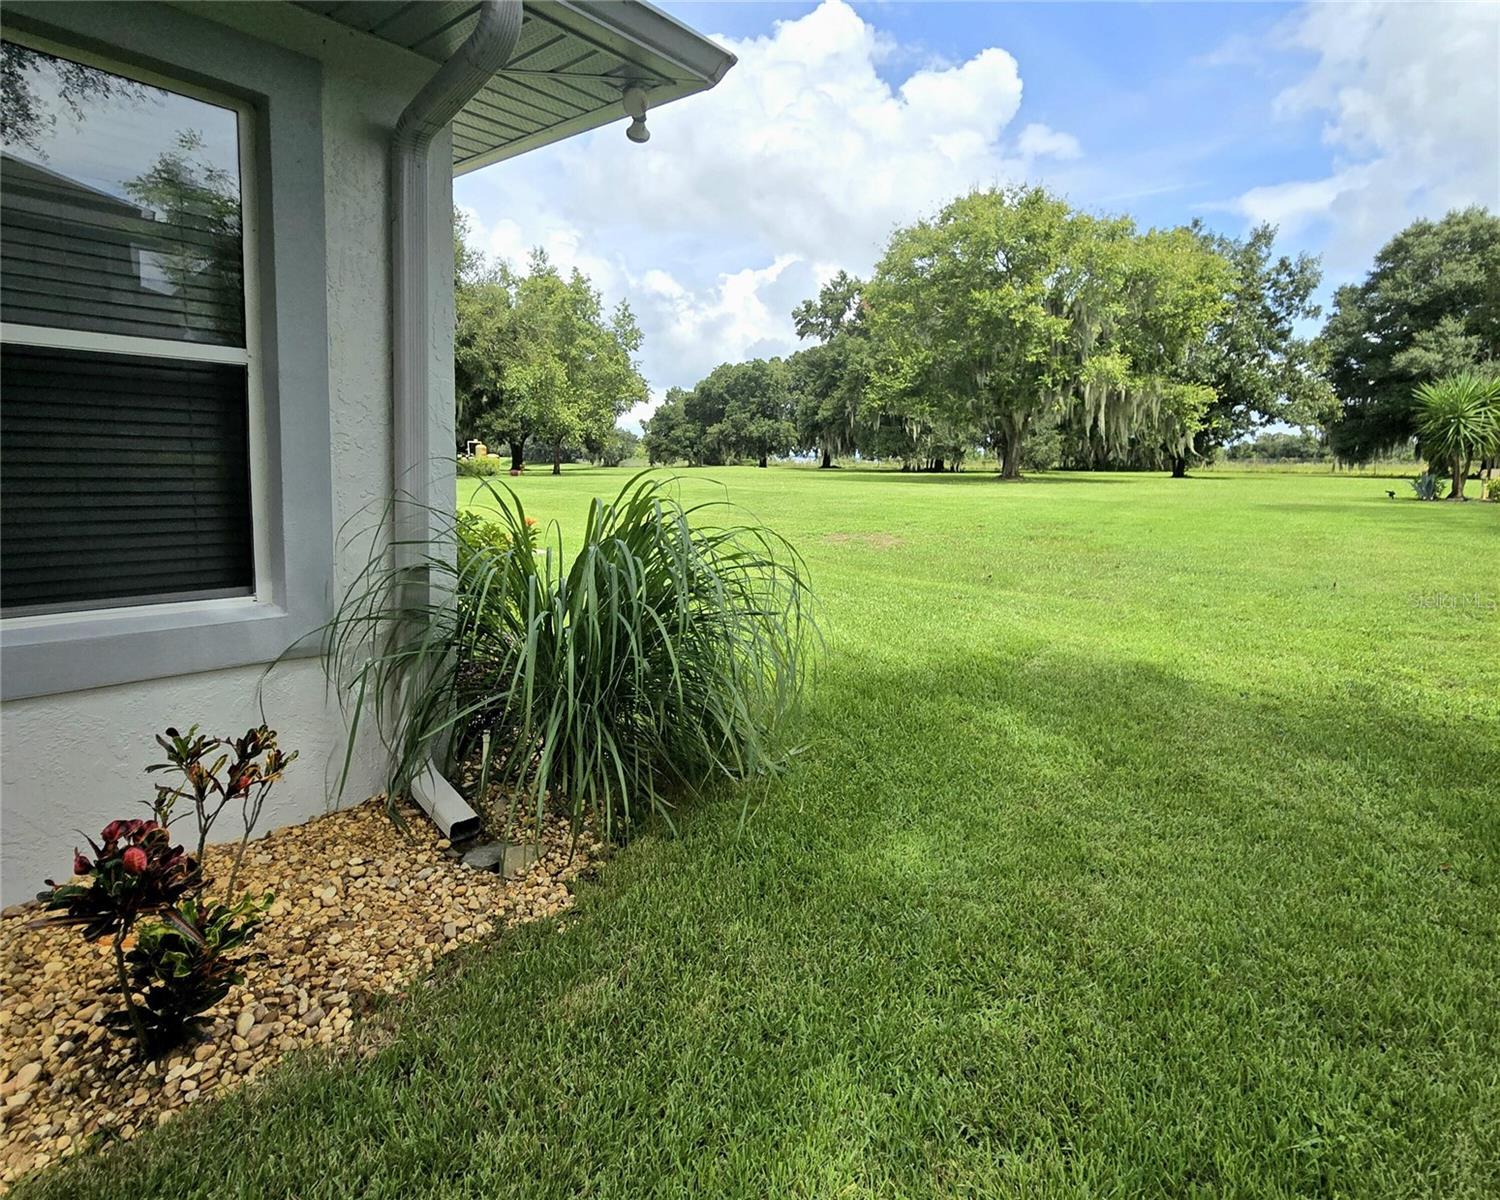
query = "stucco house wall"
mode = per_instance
[{"x": 71, "y": 761}]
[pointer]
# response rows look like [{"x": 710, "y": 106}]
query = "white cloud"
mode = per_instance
[
  {"x": 1411, "y": 114},
  {"x": 747, "y": 197},
  {"x": 1291, "y": 206},
  {"x": 1039, "y": 141}
]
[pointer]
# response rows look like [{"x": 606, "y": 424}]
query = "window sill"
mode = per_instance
[{"x": 66, "y": 652}]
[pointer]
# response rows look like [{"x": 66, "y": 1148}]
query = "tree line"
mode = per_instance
[{"x": 1015, "y": 326}]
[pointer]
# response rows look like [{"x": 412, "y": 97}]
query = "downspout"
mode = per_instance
[{"x": 484, "y": 52}]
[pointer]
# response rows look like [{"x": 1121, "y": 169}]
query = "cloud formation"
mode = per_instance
[{"x": 1407, "y": 96}]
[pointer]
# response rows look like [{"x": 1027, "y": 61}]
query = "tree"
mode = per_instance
[
  {"x": 827, "y": 380},
  {"x": 535, "y": 357},
  {"x": 195, "y": 232},
  {"x": 820, "y": 381},
  {"x": 1429, "y": 307},
  {"x": 613, "y": 449},
  {"x": 1458, "y": 421},
  {"x": 1280, "y": 447},
  {"x": 668, "y": 435},
  {"x": 1010, "y": 307},
  {"x": 1252, "y": 358},
  {"x": 26, "y": 117},
  {"x": 1177, "y": 287},
  {"x": 756, "y": 407},
  {"x": 963, "y": 317},
  {"x": 469, "y": 264},
  {"x": 703, "y": 425},
  {"x": 738, "y": 410},
  {"x": 484, "y": 336}
]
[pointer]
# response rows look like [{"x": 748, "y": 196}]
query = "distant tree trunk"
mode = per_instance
[
  {"x": 557, "y": 460},
  {"x": 1179, "y": 466},
  {"x": 936, "y": 465},
  {"x": 827, "y": 460},
  {"x": 1460, "y": 471},
  {"x": 1012, "y": 435},
  {"x": 762, "y": 461},
  {"x": 518, "y": 455}
]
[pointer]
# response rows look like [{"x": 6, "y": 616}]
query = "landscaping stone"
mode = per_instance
[
  {"x": 67, "y": 1083},
  {"x": 508, "y": 858}
]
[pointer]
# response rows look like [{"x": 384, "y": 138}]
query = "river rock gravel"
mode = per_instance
[{"x": 362, "y": 908}]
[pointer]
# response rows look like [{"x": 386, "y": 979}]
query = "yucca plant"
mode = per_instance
[
  {"x": 1428, "y": 486},
  {"x": 666, "y": 653},
  {"x": 1458, "y": 421}
]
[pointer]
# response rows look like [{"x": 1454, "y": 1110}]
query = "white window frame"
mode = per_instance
[{"x": 263, "y": 589}]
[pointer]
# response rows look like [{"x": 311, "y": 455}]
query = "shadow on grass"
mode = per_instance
[{"x": 1040, "y": 718}]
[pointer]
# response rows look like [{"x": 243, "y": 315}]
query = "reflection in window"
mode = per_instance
[{"x": 121, "y": 205}]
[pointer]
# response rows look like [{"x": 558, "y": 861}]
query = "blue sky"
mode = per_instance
[{"x": 1339, "y": 123}]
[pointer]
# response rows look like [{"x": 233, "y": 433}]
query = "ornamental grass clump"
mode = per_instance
[{"x": 667, "y": 653}]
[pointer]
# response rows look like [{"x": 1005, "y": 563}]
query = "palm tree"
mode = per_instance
[{"x": 1458, "y": 420}]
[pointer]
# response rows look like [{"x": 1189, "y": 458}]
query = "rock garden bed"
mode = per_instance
[{"x": 362, "y": 908}]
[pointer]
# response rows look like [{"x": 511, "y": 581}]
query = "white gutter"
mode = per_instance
[{"x": 486, "y": 50}]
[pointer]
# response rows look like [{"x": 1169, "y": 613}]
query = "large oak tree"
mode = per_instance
[{"x": 1009, "y": 307}]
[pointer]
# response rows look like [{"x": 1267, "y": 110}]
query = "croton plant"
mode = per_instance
[{"x": 189, "y": 950}]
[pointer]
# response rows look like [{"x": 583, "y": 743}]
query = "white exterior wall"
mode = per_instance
[{"x": 69, "y": 763}]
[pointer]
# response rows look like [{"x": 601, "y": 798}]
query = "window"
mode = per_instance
[{"x": 128, "y": 431}]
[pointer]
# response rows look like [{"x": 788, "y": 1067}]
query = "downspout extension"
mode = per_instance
[{"x": 484, "y": 52}]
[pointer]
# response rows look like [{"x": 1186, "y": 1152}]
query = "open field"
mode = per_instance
[{"x": 1146, "y": 840}]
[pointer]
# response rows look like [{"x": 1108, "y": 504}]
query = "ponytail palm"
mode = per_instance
[{"x": 1458, "y": 421}]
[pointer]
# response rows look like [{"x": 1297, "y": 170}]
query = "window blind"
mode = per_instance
[{"x": 122, "y": 478}]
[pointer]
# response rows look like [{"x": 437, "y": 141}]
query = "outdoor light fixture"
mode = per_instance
[{"x": 634, "y": 101}]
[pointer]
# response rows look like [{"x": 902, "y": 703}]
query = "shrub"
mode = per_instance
[
  {"x": 135, "y": 871},
  {"x": 1428, "y": 486},
  {"x": 257, "y": 764},
  {"x": 1492, "y": 489},
  {"x": 479, "y": 468},
  {"x": 478, "y": 536},
  {"x": 186, "y": 963},
  {"x": 667, "y": 653}
]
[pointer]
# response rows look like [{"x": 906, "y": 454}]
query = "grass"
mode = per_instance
[{"x": 1146, "y": 842}]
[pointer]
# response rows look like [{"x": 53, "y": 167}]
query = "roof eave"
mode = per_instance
[
  {"x": 646, "y": 27},
  {"x": 567, "y": 129},
  {"x": 697, "y": 64}
]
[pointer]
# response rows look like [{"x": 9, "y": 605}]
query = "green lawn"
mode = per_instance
[{"x": 1146, "y": 841}]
